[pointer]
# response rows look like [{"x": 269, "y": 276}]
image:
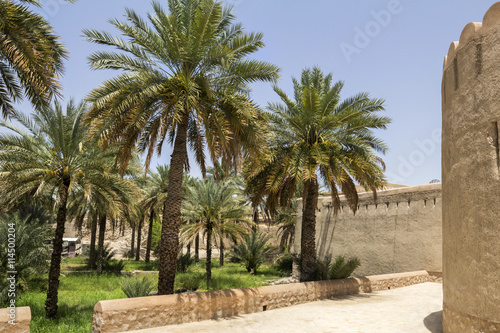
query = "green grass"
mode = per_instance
[
  {"x": 229, "y": 276},
  {"x": 80, "y": 264},
  {"x": 79, "y": 292}
]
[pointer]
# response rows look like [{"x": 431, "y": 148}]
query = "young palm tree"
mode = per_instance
[
  {"x": 214, "y": 209},
  {"x": 31, "y": 56},
  {"x": 50, "y": 154},
  {"x": 316, "y": 135},
  {"x": 185, "y": 79}
]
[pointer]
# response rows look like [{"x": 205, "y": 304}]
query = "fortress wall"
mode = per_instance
[
  {"x": 471, "y": 183},
  {"x": 400, "y": 232}
]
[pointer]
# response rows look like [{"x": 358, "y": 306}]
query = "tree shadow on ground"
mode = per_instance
[{"x": 434, "y": 322}]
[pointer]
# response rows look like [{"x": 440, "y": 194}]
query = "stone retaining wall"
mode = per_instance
[
  {"x": 123, "y": 315},
  {"x": 22, "y": 320}
]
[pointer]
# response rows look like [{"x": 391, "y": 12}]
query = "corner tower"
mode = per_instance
[{"x": 471, "y": 178}]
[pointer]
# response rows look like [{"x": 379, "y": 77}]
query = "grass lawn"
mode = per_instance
[{"x": 79, "y": 292}]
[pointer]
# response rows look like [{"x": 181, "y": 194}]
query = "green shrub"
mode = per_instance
[
  {"x": 137, "y": 286},
  {"x": 339, "y": 269},
  {"x": 252, "y": 251},
  {"x": 284, "y": 263},
  {"x": 190, "y": 281},
  {"x": 113, "y": 266},
  {"x": 342, "y": 269},
  {"x": 108, "y": 264},
  {"x": 32, "y": 245},
  {"x": 183, "y": 262}
]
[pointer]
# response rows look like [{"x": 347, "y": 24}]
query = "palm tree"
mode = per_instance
[
  {"x": 214, "y": 209},
  {"x": 316, "y": 135},
  {"x": 30, "y": 56},
  {"x": 185, "y": 78},
  {"x": 154, "y": 199},
  {"x": 106, "y": 198},
  {"x": 50, "y": 154}
]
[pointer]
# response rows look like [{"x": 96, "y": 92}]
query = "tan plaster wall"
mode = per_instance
[
  {"x": 22, "y": 321},
  {"x": 471, "y": 183},
  {"x": 130, "y": 314},
  {"x": 400, "y": 232}
]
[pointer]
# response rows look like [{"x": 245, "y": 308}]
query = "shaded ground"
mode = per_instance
[{"x": 405, "y": 310}]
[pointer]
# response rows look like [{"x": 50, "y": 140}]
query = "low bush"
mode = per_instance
[
  {"x": 137, "y": 286},
  {"x": 108, "y": 264},
  {"x": 190, "y": 281},
  {"x": 284, "y": 263},
  {"x": 342, "y": 268},
  {"x": 113, "y": 266},
  {"x": 339, "y": 269},
  {"x": 31, "y": 249},
  {"x": 252, "y": 251},
  {"x": 183, "y": 262}
]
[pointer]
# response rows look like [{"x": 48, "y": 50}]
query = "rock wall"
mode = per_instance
[
  {"x": 130, "y": 314},
  {"x": 471, "y": 178},
  {"x": 400, "y": 232}
]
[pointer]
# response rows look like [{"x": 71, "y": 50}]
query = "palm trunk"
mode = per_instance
[
  {"x": 93, "y": 234},
  {"x": 307, "y": 242},
  {"x": 132, "y": 243},
  {"x": 150, "y": 235},
  {"x": 209, "y": 255},
  {"x": 169, "y": 243},
  {"x": 100, "y": 247},
  {"x": 221, "y": 255},
  {"x": 55, "y": 262},
  {"x": 139, "y": 233},
  {"x": 197, "y": 248}
]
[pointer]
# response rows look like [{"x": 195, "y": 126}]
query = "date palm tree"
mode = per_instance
[
  {"x": 184, "y": 78},
  {"x": 214, "y": 209},
  {"x": 31, "y": 56},
  {"x": 51, "y": 154},
  {"x": 154, "y": 199},
  {"x": 317, "y": 137}
]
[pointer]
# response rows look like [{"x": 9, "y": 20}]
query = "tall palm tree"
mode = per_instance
[
  {"x": 50, "y": 154},
  {"x": 31, "y": 56},
  {"x": 213, "y": 209},
  {"x": 318, "y": 137},
  {"x": 184, "y": 78}
]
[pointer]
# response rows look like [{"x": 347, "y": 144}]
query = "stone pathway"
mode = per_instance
[{"x": 411, "y": 309}]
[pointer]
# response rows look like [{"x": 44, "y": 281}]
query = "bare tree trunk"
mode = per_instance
[
  {"x": 150, "y": 235},
  {"x": 308, "y": 241},
  {"x": 209, "y": 255},
  {"x": 93, "y": 234},
  {"x": 57, "y": 244},
  {"x": 197, "y": 248},
  {"x": 169, "y": 243},
  {"x": 139, "y": 233},
  {"x": 100, "y": 247}
]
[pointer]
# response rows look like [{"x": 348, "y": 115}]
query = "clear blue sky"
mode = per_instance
[{"x": 392, "y": 49}]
